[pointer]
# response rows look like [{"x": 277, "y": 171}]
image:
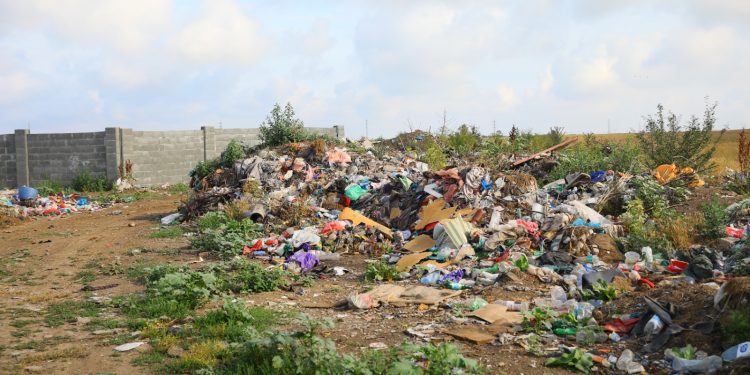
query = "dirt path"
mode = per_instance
[{"x": 44, "y": 262}]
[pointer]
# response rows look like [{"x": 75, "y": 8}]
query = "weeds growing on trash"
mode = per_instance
[
  {"x": 84, "y": 182},
  {"x": 575, "y": 360},
  {"x": 380, "y": 272}
]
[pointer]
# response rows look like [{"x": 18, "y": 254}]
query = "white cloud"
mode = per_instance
[
  {"x": 597, "y": 74},
  {"x": 16, "y": 87},
  {"x": 547, "y": 80},
  {"x": 508, "y": 98},
  {"x": 222, "y": 33},
  {"x": 97, "y": 99},
  {"x": 128, "y": 26}
]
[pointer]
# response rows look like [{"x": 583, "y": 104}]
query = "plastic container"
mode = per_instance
[
  {"x": 25, "y": 192},
  {"x": 632, "y": 258},
  {"x": 654, "y": 325}
]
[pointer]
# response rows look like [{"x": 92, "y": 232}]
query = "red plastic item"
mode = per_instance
[
  {"x": 734, "y": 232},
  {"x": 647, "y": 283},
  {"x": 621, "y": 326},
  {"x": 677, "y": 266}
]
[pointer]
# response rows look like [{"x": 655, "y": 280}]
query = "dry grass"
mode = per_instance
[{"x": 70, "y": 352}]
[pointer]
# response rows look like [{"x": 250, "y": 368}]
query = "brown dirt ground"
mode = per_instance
[{"x": 48, "y": 275}]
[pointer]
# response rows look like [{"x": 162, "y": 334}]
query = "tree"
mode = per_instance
[
  {"x": 281, "y": 126},
  {"x": 664, "y": 140}
]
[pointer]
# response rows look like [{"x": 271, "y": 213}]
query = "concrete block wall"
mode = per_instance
[
  {"x": 7, "y": 160},
  {"x": 158, "y": 157},
  {"x": 163, "y": 156},
  {"x": 62, "y": 156}
]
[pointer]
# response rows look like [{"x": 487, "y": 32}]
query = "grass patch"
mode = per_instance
[
  {"x": 67, "y": 312},
  {"x": 169, "y": 232},
  {"x": 72, "y": 352},
  {"x": 104, "y": 323},
  {"x": 41, "y": 344},
  {"x": 86, "y": 276},
  {"x": 20, "y": 323},
  {"x": 180, "y": 188},
  {"x": 150, "y": 358}
]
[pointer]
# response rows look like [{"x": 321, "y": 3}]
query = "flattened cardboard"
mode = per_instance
[
  {"x": 408, "y": 261},
  {"x": 420, "y": 244}
]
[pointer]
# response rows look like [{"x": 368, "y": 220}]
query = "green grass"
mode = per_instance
[
  {"x": 169, "y": 232},
  {"x": 86, "y": 277},
  {"x": 67, "y": 312},
  {"x": 150, "y": 358},
  {"x": 20, "y": 323},
  {"x": 42, "y": 344},
  {"x": 180, "y": 188}
]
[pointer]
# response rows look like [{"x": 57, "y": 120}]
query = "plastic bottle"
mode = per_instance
[
  {"x": 513, "y": 305},
  {"x": 583, "y": 310},
  {"x": 430, "y": 278},
  {"x": 558, "y": 294},
  {"x": 653, "y": 326},
  {"x": 648, "y": 255},
  {"x": 737, "y": 351},
  {"x": 699, "y": 366}
]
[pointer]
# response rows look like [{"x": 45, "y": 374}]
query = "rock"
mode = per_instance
[
  {"x": 175, "y": 329},
  {"x": 99, "y": 299},
  {"x": 83, "y": 320},
  {"x": 175, "y": 351},
  {"x": 131, "y": 224},
  {"x": 129, "y": 346},
  {"x": 34, "y": 369}
]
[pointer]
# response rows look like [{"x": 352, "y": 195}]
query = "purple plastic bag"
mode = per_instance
[{"x": 306, "y": 260}]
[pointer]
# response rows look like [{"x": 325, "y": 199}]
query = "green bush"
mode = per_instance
[
  {"x": 435, "y": 158},
  {"x": 84, "y": 182},
  {"x": 281, "y": 127},
  {"x": 380, "y": 272},
  {"x": 229, "y": 239},
  {"x": 714, "y": 218},
  {"x": 465, "y": 140},
  {"x": 49, "y": 187},
  {"x": 664, "y": 140},
  {"x": 587, "y": 157},
  {"x": 233, "y": 152},
  {"x": 212, "y": 220}
]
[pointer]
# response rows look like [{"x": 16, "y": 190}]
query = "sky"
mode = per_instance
[{"x": 588, "y": 66}]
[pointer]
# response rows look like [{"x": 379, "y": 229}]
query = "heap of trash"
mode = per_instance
[{"x": 460, "y": 232}]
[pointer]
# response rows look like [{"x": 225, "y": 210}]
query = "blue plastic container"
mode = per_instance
[{"x": 25, "y": 192}]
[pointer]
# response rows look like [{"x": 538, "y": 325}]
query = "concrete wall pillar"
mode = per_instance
[
  {"x": 22, "y": 157},
  {"x": 113, "y": 152},
  {"x": 209, "y": 142}
]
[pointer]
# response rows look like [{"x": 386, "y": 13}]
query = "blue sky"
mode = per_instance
[{"x": 160, "y": 64}]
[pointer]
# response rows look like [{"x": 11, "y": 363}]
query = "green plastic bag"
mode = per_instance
[{"x": 354, "y": 192}]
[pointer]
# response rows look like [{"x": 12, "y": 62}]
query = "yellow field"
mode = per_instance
[{"x": 726, "y": 149}]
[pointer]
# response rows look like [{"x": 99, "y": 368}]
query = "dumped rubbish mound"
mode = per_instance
[{"x": 593, "y": 269}]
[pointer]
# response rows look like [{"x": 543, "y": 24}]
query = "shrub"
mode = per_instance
[
  {"x": 84, "y": 182},
  {"x": 714, "y": 218},
  {"x": 587, "y": 157},
  {"x": 434, "y": 157},
  {"x": 233, "y": 152},
  {"x": 212, "y": 220},
  {"x": 465, "y": 140},
  {"x": 49, "y": 187},
  {"x": 664, "y": 140},
  {"x": 281, "y": 126}
]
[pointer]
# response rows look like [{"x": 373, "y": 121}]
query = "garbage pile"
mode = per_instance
[
  {"x": 440, "y": 235},
  {"x": 26, "y": 202}
]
